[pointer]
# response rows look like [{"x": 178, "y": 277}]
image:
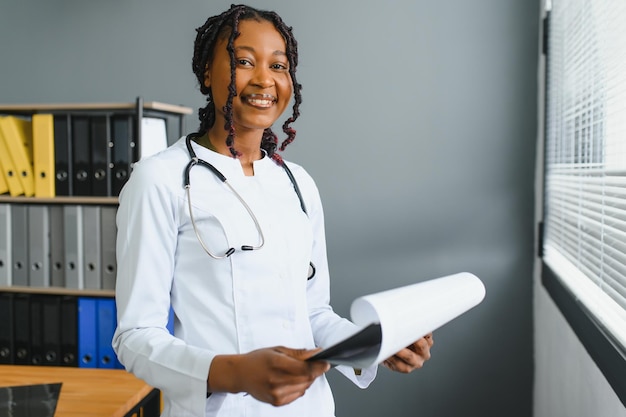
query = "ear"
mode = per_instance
[{"x": 207, "y": 77}]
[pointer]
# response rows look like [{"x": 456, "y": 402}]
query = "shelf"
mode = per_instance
[
  {"x": 148, "y": 105},
  {"x": 82, "y": 200},
  {"x": 59, "y": 291}
]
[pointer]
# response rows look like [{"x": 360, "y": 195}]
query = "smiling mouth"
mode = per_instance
[{"x": 260, "y": 100}]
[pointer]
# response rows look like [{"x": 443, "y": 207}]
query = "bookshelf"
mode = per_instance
[{"x": 57, "y": 243}]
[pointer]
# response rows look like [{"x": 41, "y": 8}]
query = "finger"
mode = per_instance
[
  {"x": 402, "y": 365},
  {"x": 301, "y": 354},
  {"x": 420, "y": 347}
]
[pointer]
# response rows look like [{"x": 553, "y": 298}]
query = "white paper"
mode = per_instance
[
  {"x": 406, "y": 314},
  {"x": 153, "y": 136}
]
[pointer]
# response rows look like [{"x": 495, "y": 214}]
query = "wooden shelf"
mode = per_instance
[
  {"x": 58, "y": 291},
  {"x": 148, "y": 105},
  {"x": 81, "y": 200}
]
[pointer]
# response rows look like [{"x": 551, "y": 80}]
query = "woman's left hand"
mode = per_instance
[{"x": 412, "y": 357}]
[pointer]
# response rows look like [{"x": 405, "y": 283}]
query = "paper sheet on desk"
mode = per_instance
[{"x": 393, "y": 319}]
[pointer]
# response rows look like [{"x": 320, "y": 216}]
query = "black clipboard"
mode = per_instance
[{"x": 363, "y": 345}]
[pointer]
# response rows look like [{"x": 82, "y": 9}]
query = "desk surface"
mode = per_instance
[{"x": 85, "y": 392}]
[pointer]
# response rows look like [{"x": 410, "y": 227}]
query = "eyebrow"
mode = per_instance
[{"x": 251, "y": 49}]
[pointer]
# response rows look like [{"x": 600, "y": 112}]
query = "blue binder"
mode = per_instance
[
  {"x": 87, "y": 333},
  {"x": 107, "y": 321}
]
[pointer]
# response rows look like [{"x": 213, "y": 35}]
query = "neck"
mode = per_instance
[{"x": 248, "y": 148}]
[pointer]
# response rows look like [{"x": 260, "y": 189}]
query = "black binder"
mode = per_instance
[
  {"x": 51, "y": 332},
  {"x": 36, "y": 329},
  {"x": 63, "y": 155},
  {"x": 81, "y": 150},
  {"x": 21, "y": 328},
  {"x": 7, "y": 350},
  {"x": 69, "y": 331},
  {"x": 100, "y": 156},
  {"x": 122, "y": 145}
]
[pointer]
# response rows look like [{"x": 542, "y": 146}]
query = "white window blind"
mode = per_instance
[{"x": 585, "y": 177}]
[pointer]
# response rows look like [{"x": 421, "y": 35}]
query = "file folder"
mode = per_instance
[
  {"x": 109, "y": 235},
  {"x": 17, "y": 133},
  {"x": 57, "y": 246},
  {"x": 21, "y": 328},
  {"x": 9, "y": 170},
  {"x": 6, "y": 246},
  {"x": 122, "y": 144},
  {"x": 19, "y": 241},
  {"x": 100, "y": 156},
  {"x": 7, "y": 350},
  {"x": 92, "y": 250},
  {"x": 87, "y": 333},
  {"x": 107, "y": 322},
  {"x": 4, "y": 185},
  {"x": 69, "y": 331},
  {"x": 36, "y": 329},
  {"x": 43, "y": 155},
  {"x": 73, "y": 239},
  {"x": 51, "y": 329},
  {"x": 63, "y": 172},
  {"x": 38, "y": 244},
  {"x": 81, "y": 152}
]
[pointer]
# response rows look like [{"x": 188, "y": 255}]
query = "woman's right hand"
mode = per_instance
[{"x": 276, "y": 375}]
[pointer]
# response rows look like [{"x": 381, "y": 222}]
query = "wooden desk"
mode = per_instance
[{"x": 89, "y": 392}]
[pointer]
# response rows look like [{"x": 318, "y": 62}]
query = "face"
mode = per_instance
[{"x": 262, "y": 77}]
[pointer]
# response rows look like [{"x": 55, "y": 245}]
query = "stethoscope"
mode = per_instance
[{"x": 194, "y": 160}]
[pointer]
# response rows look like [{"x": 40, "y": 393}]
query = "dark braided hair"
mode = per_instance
[{"x": 225, "y": 25}]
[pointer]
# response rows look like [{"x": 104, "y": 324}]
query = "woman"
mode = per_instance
[{"x": 235, "y": 245}]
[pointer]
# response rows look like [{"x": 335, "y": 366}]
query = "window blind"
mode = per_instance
[{"x": 585, "y": 157}]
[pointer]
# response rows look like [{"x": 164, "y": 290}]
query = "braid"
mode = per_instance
[{"x": 218, "y": 27}]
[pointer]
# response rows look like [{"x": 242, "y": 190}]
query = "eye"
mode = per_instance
[
  {"x": 279, "y": 66},
  {"x": 244, "y": 62}
]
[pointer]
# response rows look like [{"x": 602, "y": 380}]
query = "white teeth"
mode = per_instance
[{"x": 260, "y": 102}]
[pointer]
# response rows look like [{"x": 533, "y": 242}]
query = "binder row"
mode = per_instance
[
  {"x": 56, "y": 245},
  {"x": 59, "y": 330},
  {"x": 74, "y": 154}
]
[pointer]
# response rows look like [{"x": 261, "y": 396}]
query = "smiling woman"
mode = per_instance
[
  {"x": 262, "y": 83},
  {"x": 234, "y": 54},
  {"x": 246, "y": 319}
]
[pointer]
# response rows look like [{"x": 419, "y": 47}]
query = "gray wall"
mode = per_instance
[{"x": 419, "y": 125}]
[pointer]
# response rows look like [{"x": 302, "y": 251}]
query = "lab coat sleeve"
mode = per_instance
[
  {"x": 328, "y": 327},
  {"x": 147, "y": 223}
]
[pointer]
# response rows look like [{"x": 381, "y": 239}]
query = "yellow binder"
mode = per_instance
[
  {"x": 4, "y": 185},
  {"x": 17, "y": 134},
  {"x": 8, "y": 168},
  {"x": 43, "y": 154}
]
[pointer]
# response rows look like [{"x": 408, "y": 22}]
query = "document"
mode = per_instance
[
  {"x": 392, "y": 320},
  {"x": 153, "y": 136}
]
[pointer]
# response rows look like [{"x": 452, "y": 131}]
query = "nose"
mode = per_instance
[{"x": 263, "y": 77}]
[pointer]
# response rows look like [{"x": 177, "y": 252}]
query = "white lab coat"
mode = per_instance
[{"x": 251, "y": 300}]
